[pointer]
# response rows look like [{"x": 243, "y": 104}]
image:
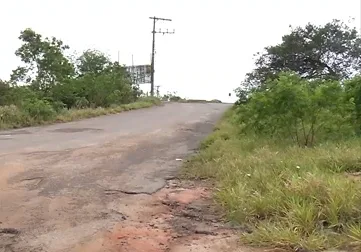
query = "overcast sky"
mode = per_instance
[{"x": 207, "y": 57}]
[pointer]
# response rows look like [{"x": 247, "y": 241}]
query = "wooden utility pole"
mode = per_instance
[{"x": 155, "y": 19}]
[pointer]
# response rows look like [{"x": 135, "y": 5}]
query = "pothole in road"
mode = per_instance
[
  {"x": 9, "y": 138},
  {"x": 31, "y": 182},
  {"x": 75, "y": 130},
  {"x": 15, "y": 132}
]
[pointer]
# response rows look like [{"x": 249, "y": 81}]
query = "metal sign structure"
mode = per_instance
[{"x": 140, "y": 74}]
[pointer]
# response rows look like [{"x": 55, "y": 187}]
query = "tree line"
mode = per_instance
[{"x": 49, "y": 80}]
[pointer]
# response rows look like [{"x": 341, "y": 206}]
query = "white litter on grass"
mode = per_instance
[{"x": 178, "y": 159}]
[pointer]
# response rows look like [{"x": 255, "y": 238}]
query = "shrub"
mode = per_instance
[
  {"x": 16, "y": 95},
  {"x": 39, "y": 110},
  {"x": 58, "y": 106},
  {"x": 175, "y": 98},
  {"x": 11, "y": 117},
  {"x": 303, "y": 111},
  {"x": 114, "y": 98}
]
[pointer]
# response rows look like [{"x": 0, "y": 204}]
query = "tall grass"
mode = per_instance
[
  {"x": 289, "y": 197},
  {"x": 12, "y": 117}
]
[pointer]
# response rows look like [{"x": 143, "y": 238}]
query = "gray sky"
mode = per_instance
[{"x": 208, "y": 55}]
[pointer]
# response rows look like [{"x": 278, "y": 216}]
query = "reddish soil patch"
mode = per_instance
[
  {"x": 174, "y": 219},
  {"x": 141, "y": 239},
  {"x": 186, "y": 196}
]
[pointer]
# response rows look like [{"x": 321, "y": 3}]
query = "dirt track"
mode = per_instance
[{"x": 106, "y": 184}]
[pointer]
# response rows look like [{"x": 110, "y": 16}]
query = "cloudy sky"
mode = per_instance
[{"x": 206, "y": 58}]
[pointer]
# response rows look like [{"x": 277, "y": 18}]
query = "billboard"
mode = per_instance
[{"x": 140, "y": 74}]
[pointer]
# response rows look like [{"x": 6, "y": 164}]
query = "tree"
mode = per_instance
[
  {"x": 52, "y": 78},
  {"x": 4, "y": 88},
  {"x": 92, "y": 62},
  {"x": 332, "y": 51},
  {"x": 45, "y": 63}
]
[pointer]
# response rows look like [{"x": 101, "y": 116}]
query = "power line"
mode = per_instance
[{"x": 153, "y": 50}]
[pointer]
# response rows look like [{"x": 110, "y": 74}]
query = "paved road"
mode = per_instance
[{"x": 58, "y": 183}]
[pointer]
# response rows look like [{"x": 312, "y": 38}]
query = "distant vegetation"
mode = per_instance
[
  {"x": 52, "y": 86},
  {"x": 173, "y": 97},
  {"x": 286, "y": 159}
]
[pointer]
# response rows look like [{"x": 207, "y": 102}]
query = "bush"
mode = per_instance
[
  {"x": 16, "y": 95},
  {"x": 12, "y": 117},
  {"x": 39, "y": 110},
  {"x": 175, "y": 98},
  {"x": 115, "y": 98},
  {"x": 300, "y": 110},
  {"x": 58, "y": 106}
]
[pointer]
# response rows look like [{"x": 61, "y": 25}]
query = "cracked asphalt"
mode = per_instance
[{"x": 60, "y": 184}]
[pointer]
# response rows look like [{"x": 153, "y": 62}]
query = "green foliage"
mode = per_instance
[
  {"x": 12, "y": 117},
  {"x": 175, "y": 98},
  {"x": 101, "y": 90},
  {"x": 290, "y": 107},
  {"x": 81, "y": 103},
  {"x": 331, "y": 51},
  {"x": 39, "y": 110},
  {"x": 302, "y": 93},
  {"x": 55, "y": 84},
  {"x": 289, "y": 197},
  {"x": 58, "y": 106},
  {"x": 17, "y": 94},
  {"x": 4, "y": 88},
  {"x": 68, "y": 92},
  {"x": 115, "y": 97},
  {"x": 353, "y": 94},
  {"x": 92, "y": 62},
  {"x": 45, "y": 63}
]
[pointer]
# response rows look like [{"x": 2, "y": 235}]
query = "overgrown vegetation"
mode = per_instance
[
  {"x": 286, "y": 158},
  {"x": 52, "y": 86}
]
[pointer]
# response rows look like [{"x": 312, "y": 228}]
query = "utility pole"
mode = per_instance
[{"x": 155, "y": 19}]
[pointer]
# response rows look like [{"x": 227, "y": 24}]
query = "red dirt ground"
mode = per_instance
[{"x": 175, "y": 219}]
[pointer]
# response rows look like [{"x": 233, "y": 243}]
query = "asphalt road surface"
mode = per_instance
[{"x": 57, "y": 182}]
